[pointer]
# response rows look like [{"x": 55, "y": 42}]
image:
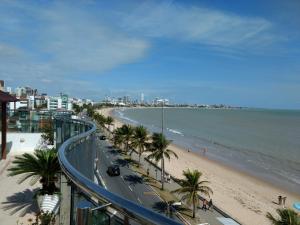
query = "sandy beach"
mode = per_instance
[{"x": 244, "y": 197}]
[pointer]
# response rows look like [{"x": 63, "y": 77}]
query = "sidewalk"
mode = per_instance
[{"x": 16, "y": 200}]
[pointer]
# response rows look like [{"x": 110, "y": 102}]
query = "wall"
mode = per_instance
[{"x": 18, "y": 143}]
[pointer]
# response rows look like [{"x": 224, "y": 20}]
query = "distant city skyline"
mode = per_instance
[{"x": 205, "y": 52}]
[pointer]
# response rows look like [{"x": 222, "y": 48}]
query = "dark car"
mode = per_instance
[
  {"x": 102, "y": 137},
  {"x": 113, "y": 170}
]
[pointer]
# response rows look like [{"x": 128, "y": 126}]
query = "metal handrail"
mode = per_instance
[{"x": 129, "y": 208}]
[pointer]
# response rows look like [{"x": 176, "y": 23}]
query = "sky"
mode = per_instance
[{"x": 241, "y": 53}]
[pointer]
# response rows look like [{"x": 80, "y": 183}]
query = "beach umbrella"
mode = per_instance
[{"x": 297, "y": 205}]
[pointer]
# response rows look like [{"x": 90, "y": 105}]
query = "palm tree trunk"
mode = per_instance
[
  {"x": 162, "y": 173},
  {"x": 194, "y": 209},
  {"x": 139, "y": 159}
]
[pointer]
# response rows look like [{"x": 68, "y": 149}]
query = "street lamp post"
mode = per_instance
[{"x": 162, "y": 116}]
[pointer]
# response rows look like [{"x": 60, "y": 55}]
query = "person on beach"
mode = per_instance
[
  {"x": 279, "y": 200},
  {"x": 169, "y": 178},
  {"x": 210, "y": 204},
  {"x": 283, "y": 201},
  {"x": 204, "y": 205}
]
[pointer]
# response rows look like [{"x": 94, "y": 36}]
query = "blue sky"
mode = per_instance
[{"x": 244, "y": 53}]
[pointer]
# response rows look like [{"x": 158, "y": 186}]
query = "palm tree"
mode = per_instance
[
  {"x": 43, "y": 165},
  {"x": 77, "y": 108},
  {"x": 117, "y": 137},
  {"x": 140, "y": 140},
  {"x": 100, "y": 119},
  {"x": 191, "y": 187},
  {"x": 109, "y": 121},
  {"x": 90, "y": 112},
  {"x": 286, "y": 217},
  {"x": 127, "y": 134},
  {"x": 159, "y": 151}
]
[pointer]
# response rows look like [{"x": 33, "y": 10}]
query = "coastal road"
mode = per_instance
[{"x": 129, "y": 184}]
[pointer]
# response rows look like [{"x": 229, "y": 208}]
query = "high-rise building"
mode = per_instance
[
  {"x": 126, "y": 99},
  {"x": 20, "y": 91},
  {"x": 142, "y": 98},
  {"x": 9, "y": 90}
]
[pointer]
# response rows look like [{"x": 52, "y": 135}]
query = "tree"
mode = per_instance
[
  {"x": 140, "y": 140},
  {"x": 77, "y": 108},
  {"x": 89, "y": 110},
  {"x": 100, "y": 119},
  {"x": 117, "y": 137},
  {"x": 48, "y": 132},
  {"x": 286, "y": 217},
  {"x": 109, "y": 120},
  {"x": 43, "y": 165},
  {"x": 191, "y": 187},
  {"x": 126, "y": 136},
  {"x": 159, "y": 151}
]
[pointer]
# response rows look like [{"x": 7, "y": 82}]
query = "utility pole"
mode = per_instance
[{"x": 162, "y": 116}]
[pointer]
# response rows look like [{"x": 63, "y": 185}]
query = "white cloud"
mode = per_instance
[
  {"x": 78, "y": 42},
  {"x": 60, "y": 41},
  {"x": 199, "y": 25}
]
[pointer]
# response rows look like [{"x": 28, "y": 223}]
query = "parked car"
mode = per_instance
[
  {"x": 102, "y": 137},
  {"x": 113, "y": 170}
]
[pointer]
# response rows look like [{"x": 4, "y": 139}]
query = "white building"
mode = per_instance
[
  {"x": 142, "y": 98},
  {"x": 57, "y": 103},
  {"x": 9, "y": 90},
  {"x": 30, "y": 102},
  {"x": 20, "y": 91},
  {"x": 158, "y": 101},
  {"x": 18, "y": 104}
]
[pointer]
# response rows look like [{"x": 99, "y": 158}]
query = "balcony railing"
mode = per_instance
[{"x": 77, "y": 151}]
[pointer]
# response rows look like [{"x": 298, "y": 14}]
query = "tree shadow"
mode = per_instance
[
  {"x": 276, "y": 203},
  {"x": 22, "y": 202},
  {"x": 134, "y": 179},
  {"x": 160, "y": 207},
  {"x": 125, "y": 162},
  {"x": 121, "y": 162},
  {"x": 114, "y": 151}
]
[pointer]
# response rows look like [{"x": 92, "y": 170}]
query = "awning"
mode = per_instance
[{"x": 5, "y": 97}]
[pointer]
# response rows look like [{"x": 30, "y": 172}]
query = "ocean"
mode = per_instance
[{"x": 263, "y": 143}]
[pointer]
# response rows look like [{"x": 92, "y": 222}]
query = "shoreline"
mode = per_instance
[{"x": 243, "y": 196}]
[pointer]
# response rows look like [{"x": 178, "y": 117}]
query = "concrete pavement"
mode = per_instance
[{"x": 16, "y": 200}]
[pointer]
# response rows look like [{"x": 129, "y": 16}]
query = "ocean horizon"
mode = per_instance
[{"x": 262, "y": 142}]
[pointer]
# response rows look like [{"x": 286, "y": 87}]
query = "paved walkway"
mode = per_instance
[{"x": 16, "y": 200}]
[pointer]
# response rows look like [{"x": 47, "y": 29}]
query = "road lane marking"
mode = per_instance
[
  {"x": 139, "y": 200},
  {"x": 130, "y": 188},
  {"x": 101, "y": 179}
]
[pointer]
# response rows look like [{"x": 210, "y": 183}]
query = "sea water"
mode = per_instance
[{"x": 264, "y": 143}]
